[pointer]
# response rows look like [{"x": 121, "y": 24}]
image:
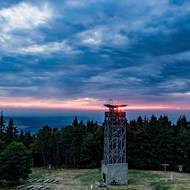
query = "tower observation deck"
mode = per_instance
[{"x": 114, "y": 164}]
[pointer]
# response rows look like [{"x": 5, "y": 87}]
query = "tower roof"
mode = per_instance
[{"x": 115, "y": 105}]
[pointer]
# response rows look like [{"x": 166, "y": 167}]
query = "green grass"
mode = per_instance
[
  {"x": 137, "y": 179},
  {"x": 90, "y": 177},
  {"x": 40, "y": 173},
  {"x": 161, "y": 187}
]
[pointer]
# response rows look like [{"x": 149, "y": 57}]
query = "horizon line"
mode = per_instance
[{"x": 88, "y": 104}]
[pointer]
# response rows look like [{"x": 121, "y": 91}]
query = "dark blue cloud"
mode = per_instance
[{"x": 98, "y": 49}]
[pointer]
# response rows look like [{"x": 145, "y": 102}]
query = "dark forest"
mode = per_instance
[{"x": 151, "y": 142}]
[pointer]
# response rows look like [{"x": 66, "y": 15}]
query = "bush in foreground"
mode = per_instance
[{"x": 15, "y": 162}]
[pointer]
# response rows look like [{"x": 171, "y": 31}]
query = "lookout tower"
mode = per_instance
[{"x": 114, "y": 164}]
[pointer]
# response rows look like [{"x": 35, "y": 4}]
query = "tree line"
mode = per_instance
[
  {"x": 151, "y": 142},
  {"x": 156, "y": 141},
  {"x": 76, "y": 146}
]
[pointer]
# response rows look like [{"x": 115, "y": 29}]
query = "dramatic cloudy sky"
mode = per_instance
[{"x": 81, "y": 53}]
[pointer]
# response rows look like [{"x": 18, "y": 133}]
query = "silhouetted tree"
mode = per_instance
[
  {"x": 11, "y": 131},
  {"x": 15, "y": 162},
  {"x": 42, "y": 145},
  {"x": 2, "y": 123}
]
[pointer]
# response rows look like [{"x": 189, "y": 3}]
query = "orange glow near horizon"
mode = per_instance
[{"x": 78, "y": 104}]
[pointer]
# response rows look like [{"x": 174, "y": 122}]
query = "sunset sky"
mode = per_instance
[{"x": 79, "y": 54}]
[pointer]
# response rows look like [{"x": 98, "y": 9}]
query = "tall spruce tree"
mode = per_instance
[
  {"x": 2, "y": 123},
  {"x": 11, "y": 131}
]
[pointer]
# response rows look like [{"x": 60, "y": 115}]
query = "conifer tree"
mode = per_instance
[
  {"x": 11, "y": 131},
  {"x": 2, "y": 123},
  {"x": 15, "y": 162}
]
